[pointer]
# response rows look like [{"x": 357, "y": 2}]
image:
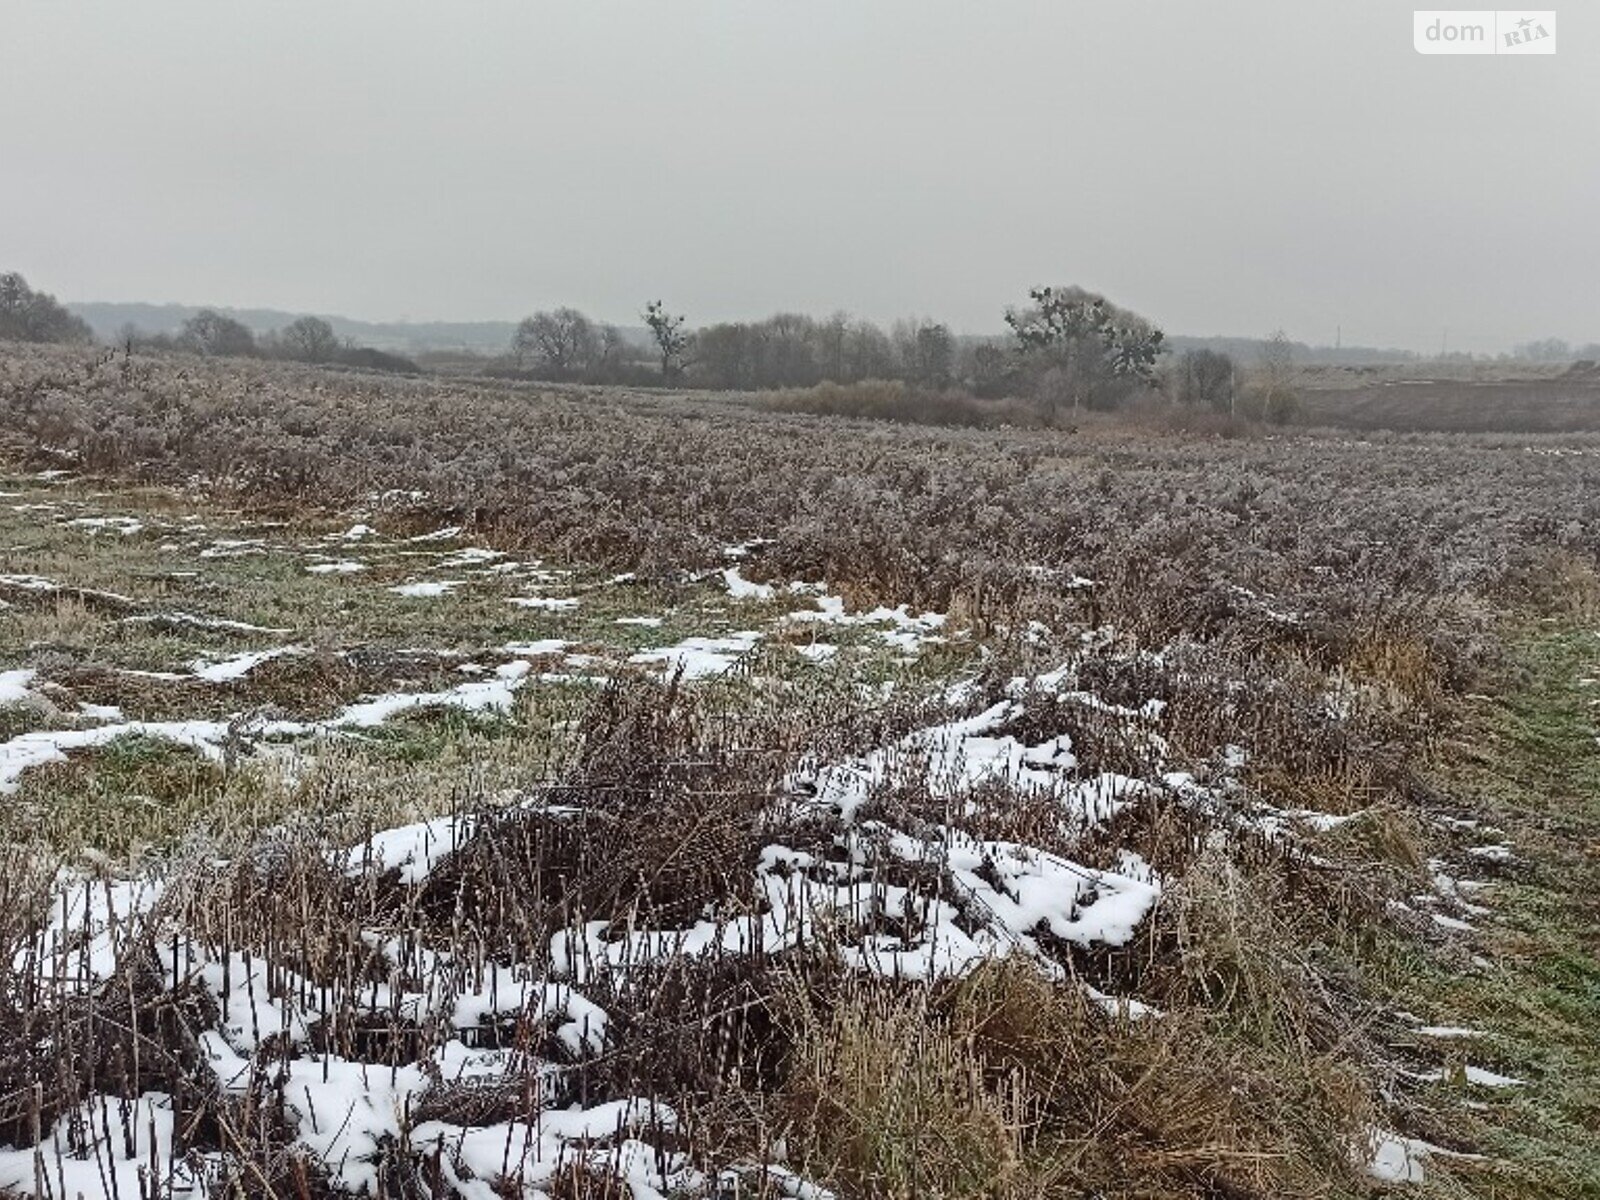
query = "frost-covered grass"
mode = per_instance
[{"x": 835, "y": 810}]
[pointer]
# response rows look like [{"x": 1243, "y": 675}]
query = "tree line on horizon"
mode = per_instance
[
  {"x": 1067, "y": 350},
  {"x": 27, "y": 315},
  {"x": 306, "y": 339}
]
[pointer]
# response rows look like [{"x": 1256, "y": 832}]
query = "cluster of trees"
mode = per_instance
[
  {"x": 793, "y": 350},
  {"x": 1069, "y": 350},
  {"x": 783, "y": 351},
  {"x": 566, "y": 345},
  {"x": 1555, "y": 350},
  {"x": 305, "y": 339},
  {"x": 30, "y": 316},
  {"x": 1212, "y": 381}
]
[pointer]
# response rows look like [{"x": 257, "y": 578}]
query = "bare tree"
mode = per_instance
[
  {"x": 209, "y": 332},
  {"x": 868, "y": 353},
  {"x": 612, "y": 351},
  {"x": 562, "y": 343},
  {"x": 929, "y": 354},
  {"x": 1276, "y": 377},
  {"x": 310, "y": 339},
  {"x": 1205, "y": 380}
]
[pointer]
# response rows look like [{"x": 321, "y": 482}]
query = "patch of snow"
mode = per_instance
[
  {"x": 229, "y": 669},
  {"x": 537, "y": 649},
  {"x": 700, "y": 657},
  {"x": 1489, "y": 1079},
  {"x": 742, "y": 549},
  {"x": 477, "y": 696},
  {"x": 545, "y": 603},
  {"x": 45, "y": 746},
  {"x": 424, "y": 589},
  {"x": 472, "y": 556},
  {"x": 196, "y": 622},
  {"x": 30, "y": 583},
  {"x": 1391, "y": 1158},
  {"x": 234, "y": 548},
  {"x": 412, "y": 850},
  {"x": 122, "y": 525},
  {"x": 448, "y": 533},
  {"x": 741, "y": 588},
  {"x": 128, "y": 1137},
  {"x": 14, "y": 687},
  {"x": 343, "y": 567}
]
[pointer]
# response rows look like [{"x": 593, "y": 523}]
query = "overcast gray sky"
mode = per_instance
[{"x": 1221, "y": 168}]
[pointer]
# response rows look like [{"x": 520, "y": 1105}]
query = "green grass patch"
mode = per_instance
[{"x": 1529, "y": 764}]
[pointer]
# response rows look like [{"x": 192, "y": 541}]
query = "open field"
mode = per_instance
[
  {"x": 1559, "y": 400},
  {"x": 420, "y": 789}
]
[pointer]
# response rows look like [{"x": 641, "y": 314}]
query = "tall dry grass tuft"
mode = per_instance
[
  {"x": 884, "y": 1099},
  {"x": 1007, "y": 1085}
]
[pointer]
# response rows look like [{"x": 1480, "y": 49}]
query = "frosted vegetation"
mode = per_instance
[{"x": 736, "y": 812}]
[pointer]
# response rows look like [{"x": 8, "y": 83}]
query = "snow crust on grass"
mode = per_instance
[
  {"x": 45, "y": 746},
  {"x": 994, "y": 898},
  {"x": 830, "y": 610},
  {"x": 228, "y": 670},
  {"x": 38, "y": 583},
  {"x": 1394, "y": 1159},
  {"x": 446, "y": 534},
  {"x": 199, "y": 622},
  {"x": 411, "y": 850},
  {"x": 545, "y": 603},
  {"x": 122, "y": 525},
  {"x": 538, "y": 648},
  {"x": 700, "y": 657},
  {"x": 234, "y": 548},
  {"x": 427, "y": 588},
  {"x": 140, "y": 1134},
  {"x": 14, "y": 687},
  {"x": 209, "y": 737},
  {"x": 345, "y": 1111},
  {"x": 741, "y": 588}
]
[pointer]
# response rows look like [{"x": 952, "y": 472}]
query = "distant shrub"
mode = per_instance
[
  {"x": 1204, "y": 379},
  {"x": 894, "y": 400},
  {"x": 1204, "y": 422},
  {"x": 1277, "y": 407},
  {"x": 369, "y": 359}
]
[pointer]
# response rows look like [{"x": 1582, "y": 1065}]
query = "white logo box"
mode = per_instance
[{"x": 1483, "y": 31}]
